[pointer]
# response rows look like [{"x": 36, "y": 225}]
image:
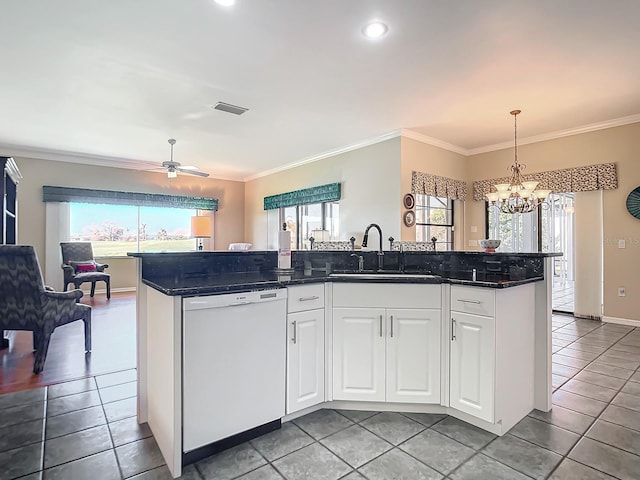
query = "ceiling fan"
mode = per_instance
[{"x": 173, "y": 168}]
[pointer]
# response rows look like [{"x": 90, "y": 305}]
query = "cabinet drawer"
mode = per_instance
[
  {"x": 476, "y": 300},
  {"x": 387, "y": 295},
  {"x": 301, "y": 298}
]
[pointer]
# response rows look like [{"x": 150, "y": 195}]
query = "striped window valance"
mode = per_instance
[
  {"x": 86, "y": 195},
  {"x": 322, "y": 193},
  {"x": 578, "y": 179},
  {"x": 436, "y": 186}
]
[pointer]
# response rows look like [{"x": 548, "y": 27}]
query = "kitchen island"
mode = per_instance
[{"x": 462, "y": 333}]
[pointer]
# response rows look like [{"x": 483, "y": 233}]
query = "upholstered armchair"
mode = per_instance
[
  {"x": 25, "y": 303},
  {"x": 79, "y": 267}
]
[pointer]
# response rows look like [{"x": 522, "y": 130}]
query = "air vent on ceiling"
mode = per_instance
[{"x": 227, "y": 107}]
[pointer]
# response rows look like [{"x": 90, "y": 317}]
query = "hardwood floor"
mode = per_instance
[{"x": 114, "y": 347}]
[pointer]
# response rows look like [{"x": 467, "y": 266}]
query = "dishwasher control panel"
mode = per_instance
[{"x": 233, "y": 299}]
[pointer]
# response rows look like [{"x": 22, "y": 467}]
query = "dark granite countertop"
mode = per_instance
[{"x": 238, "y": 282}]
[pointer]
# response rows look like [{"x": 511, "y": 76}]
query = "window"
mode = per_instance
[
  {"x": 524, "y": 232},
  {"x": 517, "y": 231},
  {"x": 318, "y": 220},
  {"x": 114, "y": 230},
  {"x": 434, "y": 218}
]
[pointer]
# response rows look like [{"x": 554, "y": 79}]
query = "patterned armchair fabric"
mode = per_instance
[
  {"x": 73, "y": 252},
  {"x": 25, "y": 304}
]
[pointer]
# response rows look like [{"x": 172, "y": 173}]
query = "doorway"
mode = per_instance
[
  {"x": 558, "y": 235},
  {"x": 549, "y": 229}
]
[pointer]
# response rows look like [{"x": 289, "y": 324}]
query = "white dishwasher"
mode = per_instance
[{"x": 234, "y": 364}]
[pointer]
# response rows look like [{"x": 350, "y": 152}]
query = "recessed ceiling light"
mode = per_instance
[
  {"x": 225, "y": 3},
  {"x": 375, "y": 30}
]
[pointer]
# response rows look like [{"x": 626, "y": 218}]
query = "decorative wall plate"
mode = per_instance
[
  {"x": 409, "y": 201},
  {"x": 633, "y": 202},
  {"x": 409, "y": 218}
]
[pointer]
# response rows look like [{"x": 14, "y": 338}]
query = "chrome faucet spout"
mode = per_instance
[{"x": 365, "y": 240}]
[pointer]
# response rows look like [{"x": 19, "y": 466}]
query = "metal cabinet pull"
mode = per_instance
[
  {"x": 380, "y": 325},
  {"x": 477, "y": 302},
  {"x": 453, "y": 330},
  {"x": 306, "y": 299},
  {"x": 391, "y": 326},
  {"x": 295, "y": 333}
]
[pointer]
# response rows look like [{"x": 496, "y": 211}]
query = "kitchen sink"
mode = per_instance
[{"x": 383, "y": 275}]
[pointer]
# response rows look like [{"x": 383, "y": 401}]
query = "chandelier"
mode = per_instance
[{"x": 517, "y": 196}]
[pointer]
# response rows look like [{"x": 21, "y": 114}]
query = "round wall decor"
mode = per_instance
[
  {"x": 409, "y": 201},
  {"x": 633, "y": 202},
  {"x": 409, "y": 218}
]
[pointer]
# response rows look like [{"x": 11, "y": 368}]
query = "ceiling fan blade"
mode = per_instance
[{"x": 192, "y": 172}]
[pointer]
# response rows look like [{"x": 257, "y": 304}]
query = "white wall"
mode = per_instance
[{"x": 370, "y": 179}]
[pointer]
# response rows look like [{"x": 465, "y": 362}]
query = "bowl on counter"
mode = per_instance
[{"x": 489, "y": 245}]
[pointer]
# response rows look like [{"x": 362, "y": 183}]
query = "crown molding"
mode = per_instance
[
  {"x": 74, "y": 157},
  {"x": 616, "y": 122},
  {"x": 331, "y": 153},
  {"x": 12, "y": 150},
  {"x": 434, "y": 142},
  {"x": 119, "y": 162}
]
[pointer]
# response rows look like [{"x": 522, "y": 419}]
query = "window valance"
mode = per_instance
[
  {"x": 86, "y": 195},
  {"x": 578, "y": 179},
  {"x": 322, "y": 193},
  {"x": 436, "y": 186}
]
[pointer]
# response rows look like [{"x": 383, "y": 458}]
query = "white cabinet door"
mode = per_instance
[
  {"x": 359, "y": 354},
  {"x": 305, "y": 359},
  {"x": 472, "y": 365},
  {"x": 413, "y": 355}
]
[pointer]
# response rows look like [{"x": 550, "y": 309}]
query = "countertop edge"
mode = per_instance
[{"x": 244, "y": 287}]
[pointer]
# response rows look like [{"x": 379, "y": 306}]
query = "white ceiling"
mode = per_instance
[{"x": 113, "y": 80}]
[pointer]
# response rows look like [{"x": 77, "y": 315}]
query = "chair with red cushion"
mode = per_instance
[{"x": 79, "y": 266}]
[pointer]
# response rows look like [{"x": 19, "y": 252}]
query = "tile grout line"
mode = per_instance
[
  {"x": 113, "y": 446},
  {"x": 595, "y": 419}
]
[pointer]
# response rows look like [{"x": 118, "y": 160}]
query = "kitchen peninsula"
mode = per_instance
[{"x": 228, "y": 347}]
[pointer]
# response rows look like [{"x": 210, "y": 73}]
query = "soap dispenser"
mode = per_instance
[{"x": 284, "y": 248}]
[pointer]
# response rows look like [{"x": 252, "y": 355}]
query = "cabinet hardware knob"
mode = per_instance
[
  {"x": 391, "y": 326},
  {"x": 295, "y": 333},
  {"x": 380, "y": 326},
  {"x": 476, "y": 302},
  {"x": 453, "y": 330}
]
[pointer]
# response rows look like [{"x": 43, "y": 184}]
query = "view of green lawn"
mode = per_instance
[{"x": 120, "y": 248}]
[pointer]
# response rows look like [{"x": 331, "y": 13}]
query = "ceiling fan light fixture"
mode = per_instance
[{"x": 174, "y": 167}]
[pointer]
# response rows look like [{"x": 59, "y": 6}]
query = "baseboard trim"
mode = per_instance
[
  {"x": 622, "y": 321},
  {"x": 113, "y": 290},
  {"x": 588, "y": 317}
]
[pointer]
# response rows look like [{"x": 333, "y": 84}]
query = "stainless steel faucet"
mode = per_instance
[
  {"x": 360, "y": 261},
  {"x": 365, "y": 240}
]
